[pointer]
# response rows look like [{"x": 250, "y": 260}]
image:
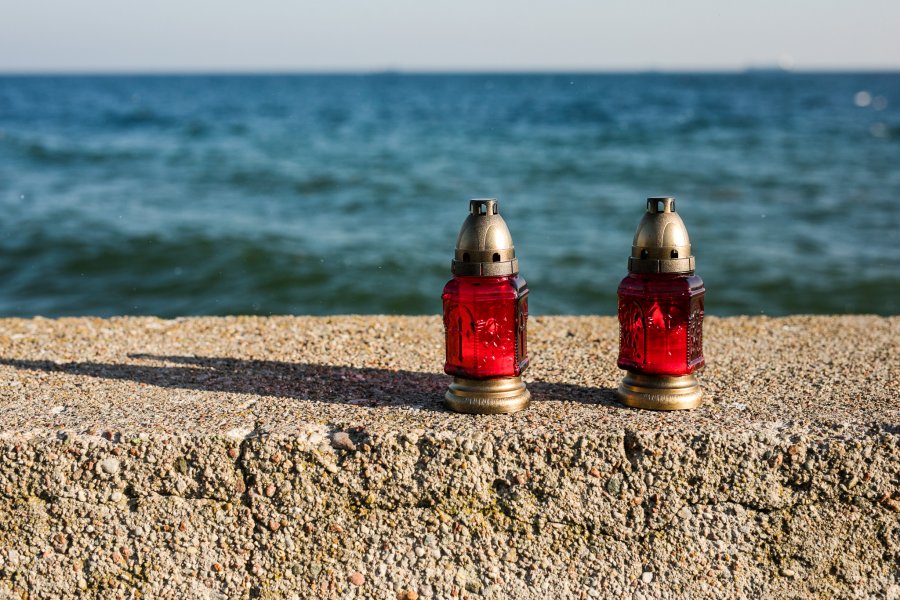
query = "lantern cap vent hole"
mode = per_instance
[{"x": 660, "y": 204}]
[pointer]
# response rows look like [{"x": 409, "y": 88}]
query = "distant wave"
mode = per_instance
[
  {"x": 138, "y": 117},
  {"x": 64, "y": 152}
]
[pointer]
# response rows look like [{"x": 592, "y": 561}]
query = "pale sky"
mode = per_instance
[{"x": 466, "y": 35}]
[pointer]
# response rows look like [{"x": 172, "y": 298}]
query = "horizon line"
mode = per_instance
[{"x": 773, "y": 69}]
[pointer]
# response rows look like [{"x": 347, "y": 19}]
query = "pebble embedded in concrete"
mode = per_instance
[
  {"x": 341, "y": 440},
  {"x": 110, "y": 465}
]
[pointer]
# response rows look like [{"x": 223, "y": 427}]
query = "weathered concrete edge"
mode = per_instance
[{"x": 621, "y": 487}]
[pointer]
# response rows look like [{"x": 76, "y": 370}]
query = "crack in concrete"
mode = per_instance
[{"x": 246, "y": 499}]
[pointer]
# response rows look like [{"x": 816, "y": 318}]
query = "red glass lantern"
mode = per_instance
[
  {"x": 485, "y": 316},
  {"x": 661, "y": 315}
]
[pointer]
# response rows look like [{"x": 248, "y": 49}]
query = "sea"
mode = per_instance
[{"x": 329, "y": 194}]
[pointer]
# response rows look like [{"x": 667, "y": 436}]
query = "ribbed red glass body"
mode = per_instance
[
  {"x": 661, "y": 323},
  {"x": 485, "y": 325}
]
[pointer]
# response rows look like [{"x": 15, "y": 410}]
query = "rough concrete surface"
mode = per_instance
[{"x": 311, "y": 458}]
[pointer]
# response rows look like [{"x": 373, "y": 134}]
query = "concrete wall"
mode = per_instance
[{"x": 311, "y": 457}]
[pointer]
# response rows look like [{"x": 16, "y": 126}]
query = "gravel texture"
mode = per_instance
[{"x": 305, "y": 457}]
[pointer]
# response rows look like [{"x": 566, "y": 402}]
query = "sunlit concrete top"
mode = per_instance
[{"x": 282, "y": 375}]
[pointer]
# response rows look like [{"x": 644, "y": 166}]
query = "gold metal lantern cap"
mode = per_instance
[
  {"x": 484, "y": 246},
  {"x": 661, "y": 243}
]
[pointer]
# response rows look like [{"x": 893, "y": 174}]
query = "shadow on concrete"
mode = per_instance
[{"x": 370, "y": 387}]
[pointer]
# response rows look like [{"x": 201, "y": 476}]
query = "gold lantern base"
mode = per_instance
[
  {"x": 660, "y": 392},
  {"x": 487, "y": 396}
]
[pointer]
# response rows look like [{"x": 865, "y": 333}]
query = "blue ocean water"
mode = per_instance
[{"x": 343, "y": 194}]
